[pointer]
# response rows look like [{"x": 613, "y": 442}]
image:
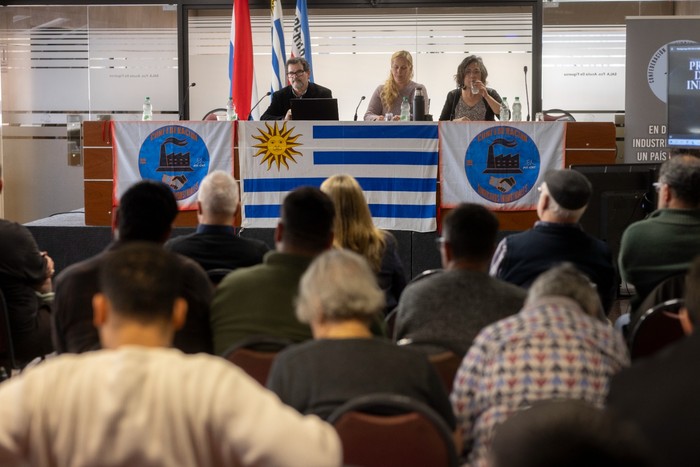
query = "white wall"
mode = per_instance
[{"x": 351, "y": 53}]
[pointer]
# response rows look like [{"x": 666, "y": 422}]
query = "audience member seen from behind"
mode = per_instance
[
  {"x": 472, "y": 100},
  {"x": 215, "y": 244},
  {"x": 569, "y": 433},
  {"x": 388, "y": 97},
  {"x": 559, "y": 346},
  {"x": 25, "y": 282},
  {"x": 663, "y": 245},
  {"x": 141, "y": 403},
  {"x": 338, "y": 297},
  {"x": 659, "y": 394},
  {"x": 354, "y": 230},
  {"x": 446, "y": 311},
  {"x": 298, "y": 74},
  {"x": 558, "y": 237},
  {"x": 146, "y": 212},
  {"x": 259, "y": 300}
]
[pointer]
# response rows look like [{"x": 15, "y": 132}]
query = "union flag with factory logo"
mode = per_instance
[
  {"x": 498, "y": 165},
  {"x": 179, "y": 154}
]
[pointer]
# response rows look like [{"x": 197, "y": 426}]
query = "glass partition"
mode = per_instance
[
  {"x": 74, "y": 63},
  {"x": 352, "y": 49}
]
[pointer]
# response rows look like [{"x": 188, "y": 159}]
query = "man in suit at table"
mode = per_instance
[
  {"x": 215, "y": 244},
  {"x": 298, "y": 73}
]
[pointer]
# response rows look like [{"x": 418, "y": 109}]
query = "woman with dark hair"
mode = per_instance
[{"x": 472, "y": 100}]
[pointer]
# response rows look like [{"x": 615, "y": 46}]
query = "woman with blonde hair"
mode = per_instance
[
  {"x": 387, "y": 98},
  {"x": 354, "y": 230}
]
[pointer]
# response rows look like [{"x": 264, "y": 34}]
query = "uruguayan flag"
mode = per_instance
[{"x": 395, "y": 163}]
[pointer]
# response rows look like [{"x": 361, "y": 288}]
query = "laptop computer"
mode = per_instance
[{"x": 313, "y": 108}]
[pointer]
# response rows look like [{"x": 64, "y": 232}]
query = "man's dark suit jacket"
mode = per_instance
[
  {"x": 72, "y": 328},
  {"x": 660, "y": 395},
  {"x": 218, "y": 247},
  {"x": 281, "y": 100}
]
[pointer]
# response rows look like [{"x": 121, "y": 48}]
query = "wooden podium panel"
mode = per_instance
[
  {"x": 584, "y": 143},
  {"x": 97, "y": 173},
  {"x": 98, "y": 177}
]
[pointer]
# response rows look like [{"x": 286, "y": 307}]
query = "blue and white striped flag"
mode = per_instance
[
  {"x": 395, "y": 163},
  {"x": 279, "y": 60},
  {"x": 301, "y": 38}
]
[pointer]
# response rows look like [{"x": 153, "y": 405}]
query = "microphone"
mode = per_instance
[
  {"x": 258, "y": 103},
  {"x": 527, "y": 97},
  {"x": 358, "y": 106},
  {"x": 187, "y": 94}
]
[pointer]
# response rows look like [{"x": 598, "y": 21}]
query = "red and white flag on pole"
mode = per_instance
[{"x": 241, "y": 70}]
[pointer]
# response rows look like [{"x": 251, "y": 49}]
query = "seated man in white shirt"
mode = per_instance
[{"x": 137, "y": 402}]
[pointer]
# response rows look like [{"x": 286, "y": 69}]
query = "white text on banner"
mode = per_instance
[
  {"x": 396, "y": 165},
  {"x": 498, "y": 166},
  {"x": 178, "y": 154}
]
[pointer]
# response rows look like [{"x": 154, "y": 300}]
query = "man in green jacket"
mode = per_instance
[
  {"x": 259, "y": 300},
  {"x": 665, "y": 243}
]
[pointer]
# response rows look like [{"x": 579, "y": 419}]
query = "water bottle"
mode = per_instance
[
  {"x": 231, "y": 110},
  {"x": 147, "y": 110},
  {"x": 419, "y": 105},
  {"x": 405, "y": 110},
  {"x": 504, "y": 116},
  {"x": 517, "y": 110}
]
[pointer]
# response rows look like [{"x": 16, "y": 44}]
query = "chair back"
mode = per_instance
[
  {"x": 217, "y": 275},
  {"x": 446, "y": 363},
  {"x": 427, "y": 273},
  {"x": 389, "y": 430},
  {"x": 668, "y": 289},
  {"x": 214, "y": 113},
  {"x": 7, "y": 350},
  {"x": 557, "y": 115},
  {"x": 390, "y": 322},
  {"x": 656, "y": 328},
  {"x": 255, "y": 355}
]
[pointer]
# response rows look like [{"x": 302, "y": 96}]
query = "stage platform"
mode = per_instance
[{"x": 68, "y": 240}]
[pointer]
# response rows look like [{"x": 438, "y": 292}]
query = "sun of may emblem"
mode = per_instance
[{"x": 277, "y": 145}]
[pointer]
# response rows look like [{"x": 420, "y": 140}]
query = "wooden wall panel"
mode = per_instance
[
  {"x": 98, "y": 202},
  {"x": 97, "y": 163},
  {"x": 97, "y": 133}
]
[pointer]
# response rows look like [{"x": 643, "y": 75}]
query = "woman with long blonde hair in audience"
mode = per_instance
[
  {"x": 387, "y": 98},
  {"x": 354, "y": 230}
]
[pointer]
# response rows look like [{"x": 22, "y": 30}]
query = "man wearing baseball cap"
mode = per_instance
[{"x": 557, "y": 237}]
